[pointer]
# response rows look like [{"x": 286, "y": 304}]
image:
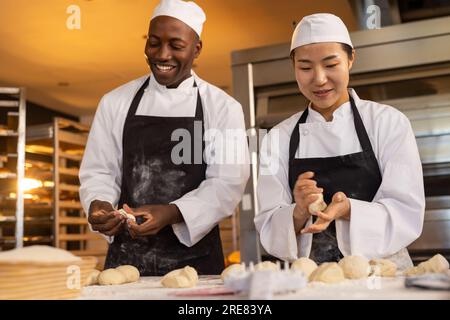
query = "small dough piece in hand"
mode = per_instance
[
  {"x": 92, "y": 278},
  {"x": 186, "y": 277},
  {"x": 111, "y": 277},
  {"x": 383, "y": 267},
  {"x": 130, "y": 272},
  {"x": 127, "y": 215},
  {"x": 355, "y": 267},
  {"x": 232, "y": 269},
  {"x": 328, "y": 272},
  {"x": 306, "y": 265},
  {"x": 266, "y": 265},
  {"x": 318, "y": 205}
]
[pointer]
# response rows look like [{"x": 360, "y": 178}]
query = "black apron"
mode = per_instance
[
  {"x": 356, "y": 174},
  {"x": 149, "y": 176}
]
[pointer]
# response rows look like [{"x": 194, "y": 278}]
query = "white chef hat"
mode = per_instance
[
  {"x": 320, "y": 27},
  {"x": 186, "y": 11}
]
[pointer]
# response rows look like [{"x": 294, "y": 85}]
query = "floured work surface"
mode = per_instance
[{"x": 148, "y": 288}]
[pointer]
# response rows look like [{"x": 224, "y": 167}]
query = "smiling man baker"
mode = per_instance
[{"x": 128, "y": 161}]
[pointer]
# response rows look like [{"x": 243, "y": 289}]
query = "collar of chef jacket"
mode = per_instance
[
  {"x": 186, "y": 87},
  {"x": 344, "y": 111}
]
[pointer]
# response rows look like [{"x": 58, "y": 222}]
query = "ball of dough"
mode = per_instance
[
  {"x": 328, "y": 272},
  {"x": 92, "y": 278},
  {"x": 111, "y": 277},
  {"x": 186, "y": 277},
  {"x": 355, "y": 267},
  {"x": 306, "y": 265},
  {"x": 437, "y": 264},
  {"x": 232, "y": 269},
  {"x": 318, "y": 205},
  {"x": 383, "y": 267},
  {"x": 130, "y": 272},
  {"x": 266, "y": 265},
  {"x": 413, "y": 271},
  {"x": 127, "y": 215}
]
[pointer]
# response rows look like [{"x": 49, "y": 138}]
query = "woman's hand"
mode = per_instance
[
  {"x": 339, "y": 208},
  {"x": 305, "y": 193}
]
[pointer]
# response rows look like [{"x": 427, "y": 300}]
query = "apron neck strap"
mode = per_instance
[
  {"x": 363, "y": 137},
  {"x": 361, "y": 132},
  {"x": 138, "y": 96}
]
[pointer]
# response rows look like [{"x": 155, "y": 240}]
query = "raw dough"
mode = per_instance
[
  {"x": 383, "y": 267},
  {"x": 130, "y": 272},
  {"x": 110, "y": 277},
  {"x": 180, "y": 278},
  {"x": 413, "y": 271},
  {"x": 266, "y": 265},
  {"x": 92, "y": 278},
  {"x": 328, "y": 272},
  {"x": 37, "y": 254},
  {"x": 232, "y": 269},
  {"x": 127, "y": 215},
  {"x": 318, "y": 205},
  {"x": 355, "y": 267},
  {"x": 306, "y": 265},
  {"x": 437, "y": 264}
]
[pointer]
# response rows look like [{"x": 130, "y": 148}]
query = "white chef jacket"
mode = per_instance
[
  {"x": 382, "y": 228},
  {"x": 216, "y": 197}
]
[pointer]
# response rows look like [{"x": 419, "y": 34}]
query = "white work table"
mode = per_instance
[{"x": 149, "y": 288}]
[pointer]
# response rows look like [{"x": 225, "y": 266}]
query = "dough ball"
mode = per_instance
[
  {"x": 383, "y": 267},
  {"x": 437, "y": 264},
  {"x": 186, "y": 277},
  {"x": 318, "y": 205},
  {"x": 413, "y": 271},
  {"x": 328, "y": 272},
  {"x": 127, "y": 215},
  {"x": 191, "y": 274},
  {"x": 130, "y": 272},
  {"x": 355, "y": 267},
  {"x": 110, "y": 277},
  {"x": 92, "y": 278},
  {"x": 306, "y": 265},
  {"x": 266, "y": 265},
  {"x": 232, "y": 269}
]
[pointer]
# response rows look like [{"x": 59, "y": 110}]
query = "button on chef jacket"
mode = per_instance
[
  {"x": 216, "y": 197},
  {"x": 382, "y": 228}
]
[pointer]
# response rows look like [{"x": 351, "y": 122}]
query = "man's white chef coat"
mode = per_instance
[
  {"x": 381, "y": 228},
  {"x": 217, "y": 196}
]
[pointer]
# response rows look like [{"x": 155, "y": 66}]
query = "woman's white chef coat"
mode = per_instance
[
  {"x": 217, "y": 196},
  {"x": 382, "y": 228}
]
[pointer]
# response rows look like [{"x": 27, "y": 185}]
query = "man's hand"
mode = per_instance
[
  {"x": 103, "y": 218},
  {"x": 156, "y": 217},
  {"x": 339, "y": 208}
]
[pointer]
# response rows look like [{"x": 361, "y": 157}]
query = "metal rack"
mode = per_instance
[
  {"x": 54, "y": 153},
  {"x": 12, "y": 156}
]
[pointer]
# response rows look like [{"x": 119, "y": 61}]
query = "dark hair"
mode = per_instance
[{"x": 348, "y": 50}]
